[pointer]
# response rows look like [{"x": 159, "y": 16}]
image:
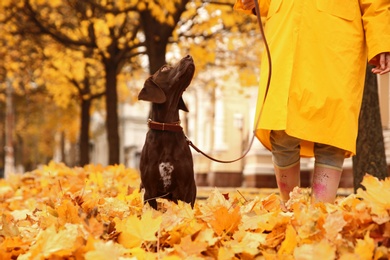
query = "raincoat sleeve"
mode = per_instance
[
  {"x": 263, "y": 5},
  {"x": 376, "y": 22}
]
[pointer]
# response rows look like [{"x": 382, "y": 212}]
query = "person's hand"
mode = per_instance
[
  {"x": 248, "y": 4},
  {"x": 382, "y": 63}
]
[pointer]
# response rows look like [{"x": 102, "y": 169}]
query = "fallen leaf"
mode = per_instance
[
  {"x": 225, "y": 221},
  {"x": 134, "y": 231},
  {"x": 377, "y": 196},
  {"x": 289, "y": 243},
  {"x": 365, "y": 247}
]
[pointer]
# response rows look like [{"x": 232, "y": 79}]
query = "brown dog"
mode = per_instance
[{"x": 166, "y": 161}]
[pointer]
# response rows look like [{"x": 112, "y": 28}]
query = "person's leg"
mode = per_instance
[
  {"x": 286, "y": 159},
  {"x": 327, "y": 172},
  {"x": 287, "y": 179}
]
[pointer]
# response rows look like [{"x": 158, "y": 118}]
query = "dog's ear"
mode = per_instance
[
  {"x": 151, "y": 92},
  {"x": 182, "y": 105}
]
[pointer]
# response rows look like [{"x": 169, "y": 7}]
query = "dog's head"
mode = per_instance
[{"x": 166, "y": 86}]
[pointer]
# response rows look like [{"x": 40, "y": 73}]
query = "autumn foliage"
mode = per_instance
[{"x": 97, "y": 212}]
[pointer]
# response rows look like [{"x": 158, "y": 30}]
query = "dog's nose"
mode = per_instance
[{"x": 188, "y": 57}]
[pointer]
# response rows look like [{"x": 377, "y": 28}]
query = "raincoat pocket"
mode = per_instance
[
  {"x": 274, "y": 8},
  {"x": 345, "y": 9}
]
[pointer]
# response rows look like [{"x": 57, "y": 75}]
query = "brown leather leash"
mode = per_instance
[{"x": 257, "y": 9}]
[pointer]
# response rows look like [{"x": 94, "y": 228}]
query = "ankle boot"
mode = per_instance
[
  {"x": 287, "y": 179},
  {"x": 326, "y": 181}
]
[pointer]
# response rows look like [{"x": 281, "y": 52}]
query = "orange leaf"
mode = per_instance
[
  {"x": 68, "y": 212},
  {"x": 225, "y": 221}
]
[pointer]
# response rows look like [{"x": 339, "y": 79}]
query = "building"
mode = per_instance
[{"x": 219, "y": 123}]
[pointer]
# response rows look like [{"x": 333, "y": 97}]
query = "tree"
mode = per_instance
[
  {"x": 19, "y": 59},
  {"x": 370, "y": 156},
  {"x": 109, "y": 29},
  {"x": 158, "y": 29},
  {"x": 82, "y": 71},
  {"x": 115, "y": 33}
]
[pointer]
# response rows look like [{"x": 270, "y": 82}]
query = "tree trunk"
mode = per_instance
[
  {"x": 84, "y": 132},
  {"x": 370, "y": 156},
  {"x": 156, "y": 41},
  {"x": 112, "y": 112},
  {"x": 157, "y": 35}
]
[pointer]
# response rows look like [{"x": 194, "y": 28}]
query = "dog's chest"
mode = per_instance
[{"x": 165, "y": 170}]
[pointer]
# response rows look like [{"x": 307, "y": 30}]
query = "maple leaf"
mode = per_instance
[
  {"x": 106, "y": 250},
  {"x": 290, "y": 242},
  {"x": 225, "y": 253},
  {"x": 334, "y": 223},
  {"x": 8, "y": 227},
  {"x": 207, "y": 236},
  {"x": 323, "y": 250},
  {"x": 267, "y": 221},
  {"x": 309, "y": 221},
  {"x": 6, "y": 191},
  {"x": 276, "y": 236},
  {"x": 188, "y": 247},
  {"x": 50, "y": 242},
  {"x": 139, "y": 253},
  {"x": 106, "y": 219},
  {"x": 271, "y": 203},
  {"x": 177, "y": 215},
  {"x": 365, "y": 247},
  {"x": 225, "y": 221},
  {"x": 246, "y": 242},
  {"x": 12, "y": 247},
  {"x": 67, "y": 212},
  {"x": 135, "y": 231},
  {"x": 217, "y": 199},
  {"x": 113, "y": 207},
  {"x": 377, "y": 196}
]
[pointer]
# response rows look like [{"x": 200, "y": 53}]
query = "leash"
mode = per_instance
[{"x": 257, "y": 9}]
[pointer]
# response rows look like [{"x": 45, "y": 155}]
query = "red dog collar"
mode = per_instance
[{"x": 172, "y": 127}]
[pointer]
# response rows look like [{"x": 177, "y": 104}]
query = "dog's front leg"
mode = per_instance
[{"x": 150, "y": 199}]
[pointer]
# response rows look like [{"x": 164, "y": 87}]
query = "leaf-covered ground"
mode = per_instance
[{"x": 97, "y": 213}]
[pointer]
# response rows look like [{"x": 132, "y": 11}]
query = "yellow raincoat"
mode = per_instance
[{"x": 319, "y": 51}]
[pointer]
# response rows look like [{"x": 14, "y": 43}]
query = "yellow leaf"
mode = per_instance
[
  {"x": 50, "y": 242},
  {"x": 290, "y": 242},
  {"x": 187, "y": 247},
  {"x": 6, "y": 192},
  {"x": 55, "y": 3},
  {"x": 207, "y": 235},
  {"x": 247, "y": 242},
  {"x": 105, "y": 250},
  {"x": 135, "y": 231},
  {"x": 334, "y": 223},
  {"x": 377, "y": 196},
  {"x": 140, "y": 253},
  {"x": 365, "y": 247},
  {"x": 322, "y": 250},
  {"x": 225, "y": 253},
  {"x": 8, "y": 227}
]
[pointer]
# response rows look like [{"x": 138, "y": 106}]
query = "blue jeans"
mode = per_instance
[{"x": 286, "y": 151}]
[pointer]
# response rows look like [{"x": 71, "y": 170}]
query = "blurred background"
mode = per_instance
[{"x": 71, "y": 71}]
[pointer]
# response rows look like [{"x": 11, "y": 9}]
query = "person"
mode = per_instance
[{"x": 319, "y": 51}]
